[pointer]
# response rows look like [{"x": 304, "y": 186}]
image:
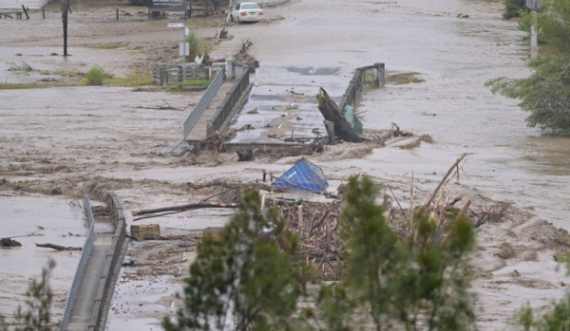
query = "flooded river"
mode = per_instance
[
  {"x": 455, "y": 56},
  {"x": 507, "y": 161},
  {"x": 51, "y": 221}
]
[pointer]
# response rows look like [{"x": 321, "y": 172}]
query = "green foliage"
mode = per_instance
[
  {"x": 36, "y": 314},
  {"x": 514, "y": 8},
  {"x": 420, "y": 280},
  {"x": 546, "y": 93},
  {"x": 556, "y": 318},
  {"x": 95, "y": 76},
  {"x": 106, "y": 46},
  {"x": 197, "y": 46},
  {"x": 244, "y": 278},
  {"x": 525, "y": 22},
  {"x": 203, "y": 83}
]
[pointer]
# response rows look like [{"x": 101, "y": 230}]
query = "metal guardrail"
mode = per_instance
[
  {"x": 203, "y": 103},
  {"x": 224, "y": 111},
  {"x": 85, "y": 253},
  {"x": 359, "y": 80},
  {"x": 111, "y": 262}
]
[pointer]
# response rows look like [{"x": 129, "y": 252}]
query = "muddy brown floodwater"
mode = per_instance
[
  {"x": 95, "y": 140},
  {"x": 50, "y": 221}
]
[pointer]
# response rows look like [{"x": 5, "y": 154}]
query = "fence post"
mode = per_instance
[
  {"x": 381, "y": 73},
  {"x": 230, "y": 68},
  {"x": 209, "y": 129}
]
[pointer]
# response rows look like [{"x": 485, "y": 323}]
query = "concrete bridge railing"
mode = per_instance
[
  {"x": 85, "y": 253},
  {"x": 226, "y": 109},
  {"x": 112, "y": 259},
  {"x": 199, "y": 109},
  {"x": 373, "y": 75}
]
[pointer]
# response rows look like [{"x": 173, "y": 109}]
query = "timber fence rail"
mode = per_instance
[
  {"x": 225, "y": 110},
  {"x": 172, "y": 74},
  {"x": 197, "y": 112},
  {"x": 111, "y": 262},
  {"x": 363, "y": 76},
  {"x": 85, "y": 253}
]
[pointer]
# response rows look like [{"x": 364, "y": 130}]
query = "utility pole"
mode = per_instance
[
  {"x": 184, "y": 42},
  {"x": 533, "y": 34},
  {"x": 64, "y": 12}
]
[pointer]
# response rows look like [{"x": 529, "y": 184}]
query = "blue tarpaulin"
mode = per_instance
[
  {"x": 303, "y": 176},
  {"x": 352, "y": 119}
]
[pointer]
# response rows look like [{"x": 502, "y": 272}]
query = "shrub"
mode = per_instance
[
  {"x": 197, "y": 46},
  {"x": 95, "y": 76},
  {"x": 545, "y": 93},
  {"x": 513, "y": 8}
]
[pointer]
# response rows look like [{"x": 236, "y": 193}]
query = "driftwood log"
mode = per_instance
[
  {"x": 58, "y": 247},
  {"x": 332, "y": 113},
  {"x": 7, "y": 242},
  {"x": 190, "y": 206}
]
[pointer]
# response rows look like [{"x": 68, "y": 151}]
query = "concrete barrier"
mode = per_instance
[
  {"x": 112, "y": 261},
  {"x": 229, "y": 105},
  {"x": 85, "y": 253},
  {"x": 359, "y": 80}
]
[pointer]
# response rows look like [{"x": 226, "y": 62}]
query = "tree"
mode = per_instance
[
  {"x": 36, "y": 314},
  {"x": 514, "y": 8},
  {"x": 244, "y": 279},
  {"x": 545, "y": 94},
  {"x": 419, "y": 280}
]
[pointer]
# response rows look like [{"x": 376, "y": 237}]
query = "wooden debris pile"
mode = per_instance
[
  {"x": 245, "y": 58},
  {"x": 215, "y": 142},
  {"x": 316, "y": 224}
]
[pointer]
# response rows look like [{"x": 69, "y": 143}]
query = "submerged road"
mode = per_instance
[{"x": 283, "y": 105}]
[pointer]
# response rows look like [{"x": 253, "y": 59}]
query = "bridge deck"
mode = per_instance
[{"x": 199, "y": 131}]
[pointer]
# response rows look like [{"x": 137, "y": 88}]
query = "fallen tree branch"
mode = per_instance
[
  {"x": 190, "y": 206},
  {"x": 58, "y": 247},
  {"x": 257, "y": 186},
  {"x": 434, "y": 194},
  {"x": 326, "y": 214}
]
